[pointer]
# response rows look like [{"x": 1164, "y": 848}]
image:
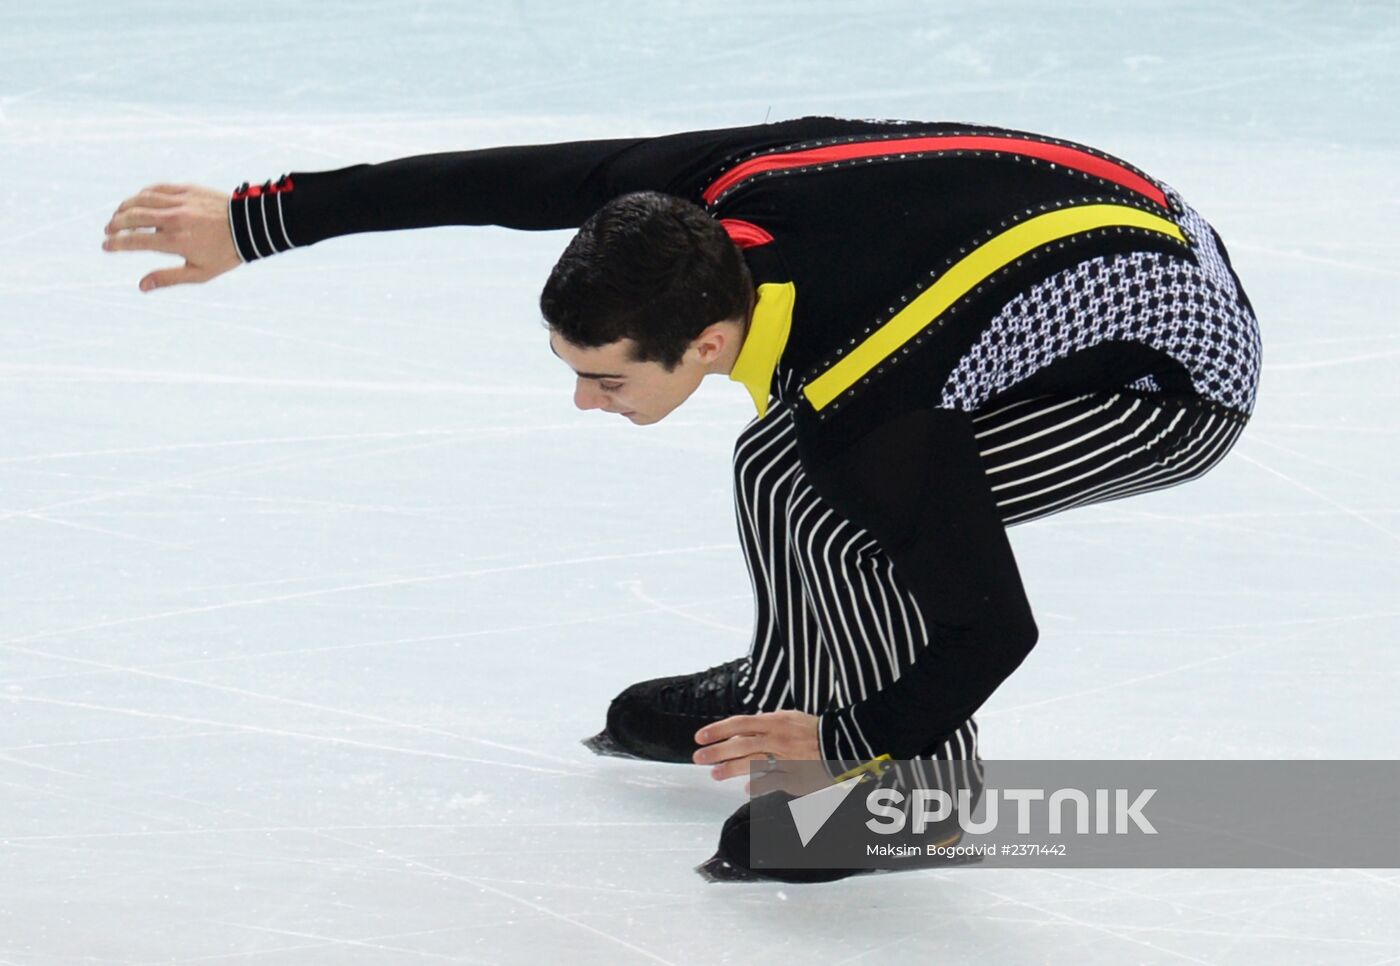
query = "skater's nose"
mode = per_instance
[{"x": 587, "y": 395}]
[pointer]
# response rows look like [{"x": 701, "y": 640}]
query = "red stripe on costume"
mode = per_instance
[
  {"x": 745, "y": 234},
  {"x": 1075, "y": 158}
]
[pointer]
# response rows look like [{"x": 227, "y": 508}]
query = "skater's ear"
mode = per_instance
[{"x": 718, "y": 343}]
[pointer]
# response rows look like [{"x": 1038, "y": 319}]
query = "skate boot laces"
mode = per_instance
[{"x": 714, "y": 691}]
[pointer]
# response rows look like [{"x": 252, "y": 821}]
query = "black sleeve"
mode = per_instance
[
  {"x": 916, "y": 483},
  {"x": 532, "y": 187}
]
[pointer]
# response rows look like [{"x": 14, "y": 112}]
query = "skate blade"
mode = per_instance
[
  {"x": 715, "y": 869},
  {"x": 603, "y": 743}
]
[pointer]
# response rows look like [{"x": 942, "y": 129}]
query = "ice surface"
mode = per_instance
[{"x": 314, "y": 578}]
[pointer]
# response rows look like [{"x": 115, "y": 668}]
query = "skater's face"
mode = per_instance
[{"x": 607, "y": 378}]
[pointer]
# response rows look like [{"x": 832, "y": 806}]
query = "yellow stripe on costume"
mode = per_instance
[
  {"x": 967, "y": 274},
  {"x": 875, "y": 766}
]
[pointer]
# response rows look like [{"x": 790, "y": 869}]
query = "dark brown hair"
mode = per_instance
[{"x": 650, "y": 267}]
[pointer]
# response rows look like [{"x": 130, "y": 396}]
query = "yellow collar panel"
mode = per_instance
[{"x": 764, "y": 342}]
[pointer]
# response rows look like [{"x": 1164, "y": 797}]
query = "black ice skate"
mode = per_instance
[
  {"x": 731, "y": 861},
  {"x": 656, "y": 720}
]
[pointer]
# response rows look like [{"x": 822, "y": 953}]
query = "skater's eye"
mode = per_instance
[{"x": 610, "y": 386}]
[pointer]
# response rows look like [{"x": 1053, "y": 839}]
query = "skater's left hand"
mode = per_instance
[
  {"x": 183, "y": 220},
  {"x": 731, "y": 744}
]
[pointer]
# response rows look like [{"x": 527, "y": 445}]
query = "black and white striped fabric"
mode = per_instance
[{"x": 833, "y": 621}]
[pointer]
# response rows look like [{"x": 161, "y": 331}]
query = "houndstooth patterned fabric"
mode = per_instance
[
  {"x": 1202, "y": 238},
  {"x": 1191, "y": 312}
]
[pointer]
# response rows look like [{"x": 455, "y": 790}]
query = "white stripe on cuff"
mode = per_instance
[
  {"x": 248, "y": 218},
  {"x": 262, "y": 207},
  {"x": 233, "y": 232},
  {"x": 282, "y": 222}
]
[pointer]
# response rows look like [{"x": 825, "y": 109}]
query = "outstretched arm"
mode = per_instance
[{"x": 531, "y": 187}]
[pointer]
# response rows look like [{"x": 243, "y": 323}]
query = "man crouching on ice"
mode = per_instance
[{"x": 945, "y": 329}]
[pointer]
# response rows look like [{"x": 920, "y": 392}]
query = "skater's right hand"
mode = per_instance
[{"x": 184, "y": 220}]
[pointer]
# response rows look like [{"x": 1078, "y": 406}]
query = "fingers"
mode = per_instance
[
  {"x": 143, "y": 241},
  {"x": 126, "y": 219},
  {"x": 733, "y": 748},
  {"x": 174, "y": 276},
  {"x": 155, "y": 196},
  {"x": 739, "y": 724},
  {"x": 737, "y": 768},
  {"x": 771, "y": 723}
]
